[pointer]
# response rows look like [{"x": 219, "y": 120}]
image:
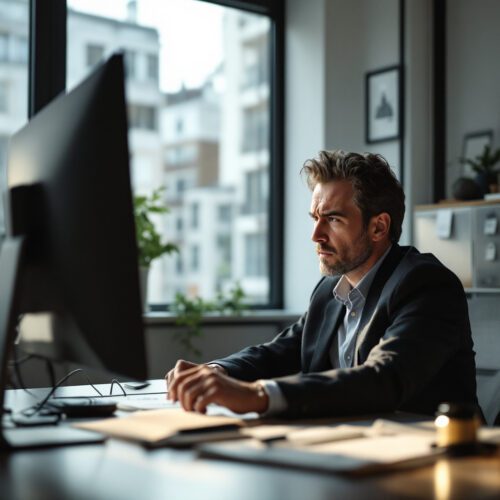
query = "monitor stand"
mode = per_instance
[{"x": 15, "y": 438}]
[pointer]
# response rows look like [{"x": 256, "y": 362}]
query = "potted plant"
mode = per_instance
[
  {"x": 189, "y": 313},
  {"x": 149, "y": 240},
  {"x": 484, "y": 166}
]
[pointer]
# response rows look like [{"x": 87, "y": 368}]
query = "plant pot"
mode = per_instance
[
  {"x": 143, "y": 285},
  {"x": 485, "y": 180}
]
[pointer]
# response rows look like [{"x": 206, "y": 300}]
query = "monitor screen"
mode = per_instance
[{"x": 70, "y": 197}]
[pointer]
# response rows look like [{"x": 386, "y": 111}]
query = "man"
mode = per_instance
[{"x": 387, "y": 327}]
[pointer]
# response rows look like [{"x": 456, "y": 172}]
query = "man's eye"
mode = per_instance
[{"x": 332, "y": 219}]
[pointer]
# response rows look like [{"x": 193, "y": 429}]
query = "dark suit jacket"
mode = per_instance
[{"x": 413, "y": 351}]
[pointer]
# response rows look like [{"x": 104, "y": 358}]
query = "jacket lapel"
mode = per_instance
[
  {"x": 334, "y": 312},
  {"x": 387, "y": 268}
]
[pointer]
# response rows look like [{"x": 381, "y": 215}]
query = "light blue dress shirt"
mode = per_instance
[{"x": 354, "y": 299}]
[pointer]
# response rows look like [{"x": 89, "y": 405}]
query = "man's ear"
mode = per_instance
[{"x": 380, "y": 226}]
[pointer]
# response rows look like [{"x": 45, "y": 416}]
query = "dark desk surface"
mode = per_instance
[{"x": 121, "y": 470}]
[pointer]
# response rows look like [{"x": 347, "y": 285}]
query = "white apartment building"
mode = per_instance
[
  {"x": 191, "y": 132},
  {"x": 209, "y": 149},
  {"x": 245, "y": 143},
  {"x": 14, "y": 20},
  {"x": 92, "y": 38}
]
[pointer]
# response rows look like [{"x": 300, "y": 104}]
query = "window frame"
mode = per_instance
[{"x": 47, "y": 79}]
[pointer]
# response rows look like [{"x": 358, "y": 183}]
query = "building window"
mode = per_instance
[
  {"x": 179, "y": 126},
  {"x": 255, "y": 255},
  {"x": 255, "y": 192},
  {"x": 94, "y": 54},
  {"x": 179, "y": 264},
  {"x": 152, "y": 67},
  {"x": 20, "y": 49},
  {"x": 224, "y": 256},
  {"x": 255, "y": 129},
  {"x": 179, "y": 155},
  {"x": 206, "y": 108},
  {"x": 180, "y": 186},
  {"x": 195, "y": 215},
  {"x": 195, "y": 258},
  {"x": 224, "y": 213},
  {"x": 142, "y": 117},
  {"x": 130, "y": 64},
  {"x": 4, "y": 47},
  {"x": 4, "y": 90}
]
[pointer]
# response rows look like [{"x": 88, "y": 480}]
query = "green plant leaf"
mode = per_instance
[
  {"x": 149, "y": 242},
  {"x": 189, "y": 313}
]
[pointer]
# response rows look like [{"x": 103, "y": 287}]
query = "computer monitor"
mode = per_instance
[{"x": 70, "y": 247}]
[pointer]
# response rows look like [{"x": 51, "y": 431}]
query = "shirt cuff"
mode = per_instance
[{"x": 277, "y": 402}]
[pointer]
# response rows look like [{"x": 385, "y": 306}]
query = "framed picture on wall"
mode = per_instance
[
  {"x": 473, "y": 146},
  {"x": 382, "y": 105}
]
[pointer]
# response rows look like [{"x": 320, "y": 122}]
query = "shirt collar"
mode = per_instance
[{"x": 343, "y": 288}]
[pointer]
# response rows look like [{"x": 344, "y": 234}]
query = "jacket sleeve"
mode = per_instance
[
  {"x": 273, "y": 359},
  {"x": 425, "y": 323},
  {"x": 280, "y": 357}
]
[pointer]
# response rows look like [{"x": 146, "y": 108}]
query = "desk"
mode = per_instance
[{"x": 121, "y": 470}]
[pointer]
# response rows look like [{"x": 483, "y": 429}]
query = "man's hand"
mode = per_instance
[
  {"x": 182, "y": 365},
  {"x": 196, "y": 386}
]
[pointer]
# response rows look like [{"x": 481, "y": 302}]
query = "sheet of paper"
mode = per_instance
[
  {"x": 490, "y": 225},
  {"x": 156, "y": 425},
  {"x": 444, "y": 223},
  {"x": 382, "y": 449}
]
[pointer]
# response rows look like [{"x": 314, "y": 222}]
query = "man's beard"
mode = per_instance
[{"x": 349, "y": 263}]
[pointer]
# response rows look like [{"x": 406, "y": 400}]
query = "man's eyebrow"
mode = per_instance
[{"x": 329, "y": 213}]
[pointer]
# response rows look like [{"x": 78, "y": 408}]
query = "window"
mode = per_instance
[
  {"x": 206, "y": 103},
  {"x": 142, "y": 117},
  {"x": 179, "y": 127},
  {"x": 195, "y": 258},
  {"x": 130, "y": 64},
  {"x": 180, "y": 186},
  {"x": 255, "y": 133},
  {"x": 4, "y": 99},
  {"x": 152, "y": 71},
  {"x": 255, "y": 255},
  {"x": 224, "y": 256},
  {"x": 181, "y": 154},
  {"x": 195, "y": 215},
  {"x": 255, "y": 192},
  {"x": 19, "y": 49},
  {"x": 179, "y": 265},
  {"x": 94, "y": 54},
  {"x": 4, "y": 140},
  {"x": 14, "y": 26},
  {"x": 224, "y": 213},
  {"x": 4, "y": 46}
]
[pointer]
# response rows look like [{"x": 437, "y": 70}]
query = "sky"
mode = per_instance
[{"x": 190, "y": 35}]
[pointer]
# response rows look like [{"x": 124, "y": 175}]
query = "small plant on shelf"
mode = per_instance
[
  {"x": 190, "y": 312},
  {"x": 149, "y": 240},
  {"x": 484, "y": 165},
  {"x": 150, "y": 245}
]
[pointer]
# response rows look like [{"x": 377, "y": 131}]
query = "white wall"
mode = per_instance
[
  {"x": 473, "y": 75},
  {"x": 304, "y": 136},
  {"x": 330, "y": 45}
]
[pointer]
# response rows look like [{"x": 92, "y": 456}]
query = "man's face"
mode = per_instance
[{"x": 342, "y": 241}]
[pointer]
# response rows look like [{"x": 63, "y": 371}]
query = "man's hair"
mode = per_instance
[{"x": 376, "y": 188}]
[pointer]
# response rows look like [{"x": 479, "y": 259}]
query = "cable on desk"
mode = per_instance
[
  {"x": 34, "y": 409},
  {"x": 113, "y": 382}
]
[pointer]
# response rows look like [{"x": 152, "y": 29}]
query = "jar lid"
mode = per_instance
[{"x": 458, "y": 410}]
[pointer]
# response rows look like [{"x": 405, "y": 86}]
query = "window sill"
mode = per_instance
[{"x": 266, "y": 317}]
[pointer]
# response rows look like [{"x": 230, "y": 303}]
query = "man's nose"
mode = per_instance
[{"x": 318, "y": 233}]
